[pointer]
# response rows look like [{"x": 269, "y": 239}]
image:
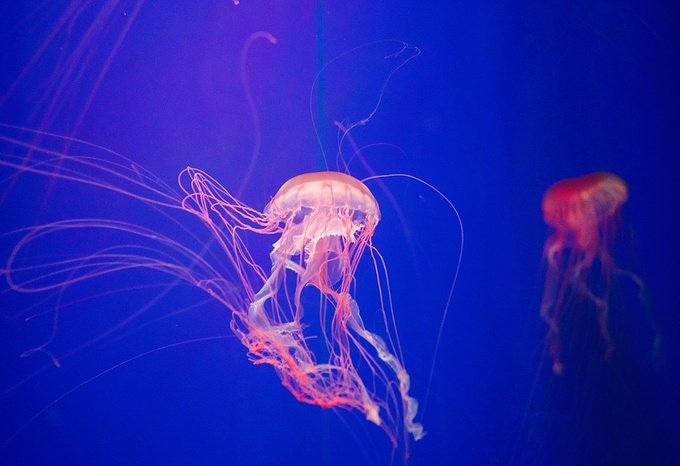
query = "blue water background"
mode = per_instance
[{"x": 505, "y": 99}]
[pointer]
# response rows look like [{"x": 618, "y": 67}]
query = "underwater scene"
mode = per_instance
[{"x": 339, "y": 233}]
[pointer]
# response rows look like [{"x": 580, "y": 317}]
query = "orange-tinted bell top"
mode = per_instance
[{"x": 575, "y": 203}]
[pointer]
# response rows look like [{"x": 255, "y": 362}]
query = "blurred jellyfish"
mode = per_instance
[{"x": 585, "y": 215}]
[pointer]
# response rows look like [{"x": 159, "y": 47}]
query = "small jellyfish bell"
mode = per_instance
[{"x": 585, "y": 214}]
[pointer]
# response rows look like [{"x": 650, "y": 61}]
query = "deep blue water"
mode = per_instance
[{"x": 503, "y": 100}]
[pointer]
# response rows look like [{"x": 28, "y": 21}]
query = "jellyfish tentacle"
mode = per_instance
[
  {"x": 550, "y": 312},
  {"x": 410, "y": 403},
  {"x": 602, "y": 308}
]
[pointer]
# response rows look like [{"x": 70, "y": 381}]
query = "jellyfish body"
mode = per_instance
[
  {"x": 584, "y": 213},
  {"x": 325, "y": 221}
]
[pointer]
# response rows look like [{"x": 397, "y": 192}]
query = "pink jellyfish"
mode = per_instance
[
  {"x": 584, "y": 213},
  {"x": 325, "y": 221}
]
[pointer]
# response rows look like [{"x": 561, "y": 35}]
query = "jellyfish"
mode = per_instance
[
  {"x": 322, "y": 224},
  {"x": 585, "y": 215},
  {"x": 325, "y": 222}
]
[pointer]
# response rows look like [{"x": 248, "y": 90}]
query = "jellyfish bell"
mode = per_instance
[
  {"x": 329, "y": 189},
  {"x": 584, "y": 213},
  {"x": 318, "y": 211},
  {"x": 578, "y": 207}
]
